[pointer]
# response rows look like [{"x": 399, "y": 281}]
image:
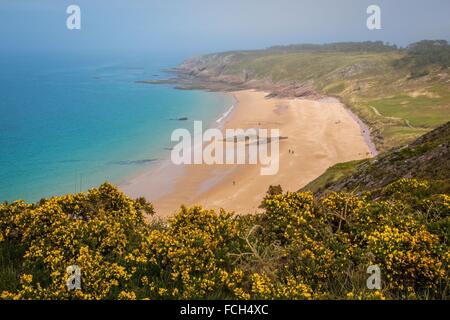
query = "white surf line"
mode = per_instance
[{"x": 225, "y": 114}]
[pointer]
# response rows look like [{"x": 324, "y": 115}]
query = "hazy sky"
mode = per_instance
[{"x": 200, "y": 26}]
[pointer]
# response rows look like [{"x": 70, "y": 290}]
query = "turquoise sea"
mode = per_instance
[{"x": 71, "y": 123}]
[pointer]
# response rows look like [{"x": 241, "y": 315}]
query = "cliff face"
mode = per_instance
[
  {"x": 227, "y": 71},
  {"x": 427, "y": 158}
]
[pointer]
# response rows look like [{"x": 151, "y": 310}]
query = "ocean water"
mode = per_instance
[{"x": 71, "y": 123}]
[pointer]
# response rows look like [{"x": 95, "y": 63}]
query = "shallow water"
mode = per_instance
[{"x": 68, "y": 124}]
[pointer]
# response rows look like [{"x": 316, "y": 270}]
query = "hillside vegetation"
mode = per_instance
[
  {"x": 301, "y": 247},
  {"x": 427, "y": 158},
  {"x": 400, "y": 93},
  {"x": 392, "y": 211}
]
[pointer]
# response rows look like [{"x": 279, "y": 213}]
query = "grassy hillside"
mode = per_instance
[
  {"x": 427, "y": 158},
  {"x": 400, "y": 94},
  {"x": 333, "y": 175}
]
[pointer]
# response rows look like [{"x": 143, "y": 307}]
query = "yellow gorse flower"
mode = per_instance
[{"x": 299, "y": 248}]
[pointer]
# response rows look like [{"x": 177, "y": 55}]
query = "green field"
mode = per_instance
[{"x": 332, "y": 175}]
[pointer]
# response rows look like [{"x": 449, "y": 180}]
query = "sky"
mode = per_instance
[{"x": 204, "y": 26}]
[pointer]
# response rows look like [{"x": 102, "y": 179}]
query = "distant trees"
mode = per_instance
[
  {"x": 425, "y": 53},
  {"x": 366, "y": 46},
  {"x": 430, "y": 52},
  {"x": 418, "y": 55}
]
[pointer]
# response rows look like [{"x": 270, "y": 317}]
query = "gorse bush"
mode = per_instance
[
  {"x": 298, "y": 248},
  {"x": 93, "y": 230}
]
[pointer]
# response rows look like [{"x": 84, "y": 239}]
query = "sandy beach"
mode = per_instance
[{"x": 320, "y": 133}]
